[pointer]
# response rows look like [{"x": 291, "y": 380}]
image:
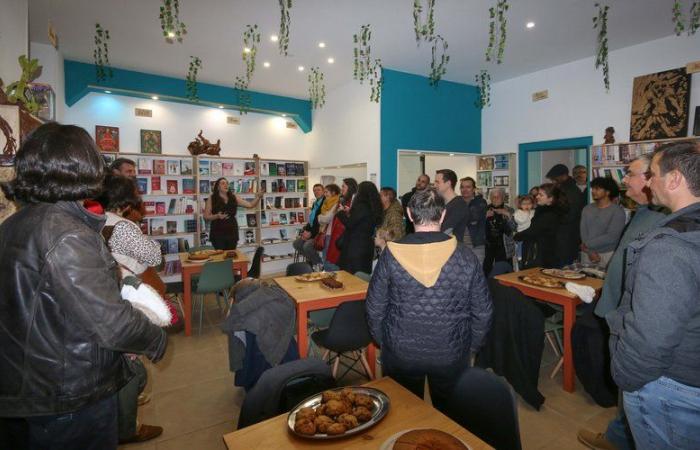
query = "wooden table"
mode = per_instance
[
  {"x": 559, "y": 297},
  {"x": 310, "y": 296},
  {"x": 240, "y": 262},
  {"x": 406, "y": 412}
]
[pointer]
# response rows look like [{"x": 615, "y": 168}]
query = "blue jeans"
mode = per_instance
[
  {"x": 618, "y": 432},
  {"x": 664, "y": 414}
]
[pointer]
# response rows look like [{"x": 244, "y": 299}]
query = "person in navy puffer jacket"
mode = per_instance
[{"x": 428, "y": 304}]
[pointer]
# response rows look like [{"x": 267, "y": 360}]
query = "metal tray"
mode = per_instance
[
  {"x": 560, "y": 286},
  {"x": 581, "y": 276},
  {"x": 381, "y": 407}
]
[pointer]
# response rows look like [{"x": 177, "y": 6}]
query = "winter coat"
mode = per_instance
[
  {"x": 357, "y": 247},
  {"x": 393, "y": 220},
  {"x": 540, "y": 238}
]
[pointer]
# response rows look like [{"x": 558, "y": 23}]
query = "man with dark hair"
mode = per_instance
[
  {"x": 428, "y": 304},
  {"x": 602, "y": 222},
  {"x": 64, "y": 327},
  {"x": 422, "y": 182},
  {"x": 124, "y": 166},
  {"x": 475, "y": 234},
  {"x": 304, "y": 244},
  {"x": 655, "y": 333},
  {"x": 568, "y": 236},
  {"x": 580, "y": 173},
  {"x": 456, "y": 209}
]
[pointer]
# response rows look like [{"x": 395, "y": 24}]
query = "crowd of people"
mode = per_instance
[{"x": 72, "y": 257}]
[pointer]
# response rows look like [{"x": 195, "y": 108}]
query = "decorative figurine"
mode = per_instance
[
  {"x": 202, "y": 146},
  {"x": 609, "y": 135}
]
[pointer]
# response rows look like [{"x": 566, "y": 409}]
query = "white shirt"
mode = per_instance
[{"x": 523, "y": 219}]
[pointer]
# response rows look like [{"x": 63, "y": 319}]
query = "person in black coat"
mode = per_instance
[
  {"x": 357, "y": 247},
  {"x": 569, "y": 235},
  {"x": 540, "y": 238}
]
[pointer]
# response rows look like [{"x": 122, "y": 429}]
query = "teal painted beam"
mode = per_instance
[
  {"x": 583, "y": 142},
  {"x": 80, "y": 80}
]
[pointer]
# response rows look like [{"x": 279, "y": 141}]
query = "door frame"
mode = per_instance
[{"x": 583, "y": 142}]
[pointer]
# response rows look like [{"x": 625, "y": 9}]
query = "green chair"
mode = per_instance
[{"x": 216, "y": 277}]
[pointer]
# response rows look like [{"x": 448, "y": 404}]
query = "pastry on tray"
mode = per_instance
[
  {"x": 428, "y": 439},
  {"x": 332, "y": 284},
  {"x": 338, "y": 413}
]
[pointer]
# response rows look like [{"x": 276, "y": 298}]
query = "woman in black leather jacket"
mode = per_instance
[{"x": 63, "y": 325}]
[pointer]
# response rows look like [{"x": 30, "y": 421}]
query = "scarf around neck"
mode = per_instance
[{"x": 328, "y": 204}]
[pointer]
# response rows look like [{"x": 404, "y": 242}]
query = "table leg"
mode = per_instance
[
  {"x": 244, "y": 269},
  {"x": 569, "y": 319},
  {"x": 372, "y": 359},
  {"x": 187, "y": 300},
  {"x": 302, "y": 337}
]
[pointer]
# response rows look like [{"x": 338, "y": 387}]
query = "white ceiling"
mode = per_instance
[{"x": 563, "y": 33}]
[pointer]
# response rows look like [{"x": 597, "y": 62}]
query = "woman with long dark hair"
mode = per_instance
[
  {"x": 540, "y": 238},
  {"x": 360, "y": 221},
  {"x": 220, "y": 209},
  {"x": 347, "y": 193}
]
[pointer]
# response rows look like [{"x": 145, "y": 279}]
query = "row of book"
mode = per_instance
[
  {"x": 238, "y": 186},
  {"x": 148, "y": 166},
  {"x": 616, "y": 173},
  {"x": 622, "y": 153},
  {"x": 278, "y": 202},
  {"x": 281, "y": 169},
  {"x": 173, "y": 267},
  {"x": 159, "y": 227},
  {"x": 284, "y": 237},
  {"x": 184, "y": 186},
  {"x": 179, "y": 205},
  {"x": 280, "y": 185},
  {"x": 227, "y": 169},
  {"x": 283, "y": 218},
  {"x": 173, "y": 245}
]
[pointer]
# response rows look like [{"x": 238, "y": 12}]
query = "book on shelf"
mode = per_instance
[
  {"x": 149, "y": 208},
  {"x": 173, "y": 167},
  {"x": 227, "y": 169},
  {"x": 144, "y": 166},
  {"x": 160, "y": 208},
  {"x": 185, "y": 167},
  {"x": 248, "y": 237},
  {"x": 181, "y": 205},
  {"x": 263, "y": 218},
  {"x": 283, "y": 218},
  {"x": 251, "y": 220},
  {"x": 289, "y": 202},
  {"x": 188, "y": 185},
  {"x": 263, "y": 185},
  {"x": 204, "y": 187},
  {"x": 291, "y": 186},
  {"x": 278, "y": 202},
  {"x": 264, "y": 169},
  {"x": 274, "y": 218},
  {"x": 157, "y": 227},
  {"x": 281, "y": 187},
  {"x": 171, "y": 226},
  {"x": 300, "y": 169},
  {"x": 155, "y": 185},
  {"x": 144, "y": 226},
  {"x": 301, "y": 185},
  {"x": 291, "y": 169},
  {"x": 273, "y": 186},
  {"x": 281, "y": 169},
  {"x": 249, "y": 168},
  {"x": 142, "y": 185},
  {"x": 172, "y": 186},
  {"x": 190, "y": 225},
  {"x": 204, "y": 167},
  {"x": 215, "y": 168},
  {"x": 283, "y": 234},
  {"x": 273, "y": 168},
  {"x": 306, "y": 202},
  {"x": 300, "y": 217},
  {"x": 269, "y": 202},
  {"x": 238, "y": 168},
  {"x": 159, "y": 166},
  {"x": 292, "y": 217}
]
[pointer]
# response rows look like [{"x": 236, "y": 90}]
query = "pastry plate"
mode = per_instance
[
  {"x": 381, "y": 408},
  {"x": 389, "y": 443},
  {"x": 564, "y": 274},
  {"x": 314, "y": 276},
  {"x": 559, "y": 284}
]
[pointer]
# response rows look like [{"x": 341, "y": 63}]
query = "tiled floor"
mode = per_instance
[{"x": 194, "y": 400}]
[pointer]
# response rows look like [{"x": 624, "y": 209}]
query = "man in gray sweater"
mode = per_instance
[{"x": 602, "y": 223}]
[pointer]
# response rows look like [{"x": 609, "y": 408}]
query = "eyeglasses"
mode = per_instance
[{"x": 630, "y": 174}]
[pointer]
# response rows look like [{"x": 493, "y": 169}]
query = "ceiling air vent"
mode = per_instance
[{"x": 143, "y": 112}]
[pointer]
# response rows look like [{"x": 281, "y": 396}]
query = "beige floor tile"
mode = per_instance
[
  {"x": 210, "y": 438},
  {"x": 176, "y": 371}
]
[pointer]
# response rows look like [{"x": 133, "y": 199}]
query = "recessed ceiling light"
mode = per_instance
[
  {"x": 274, "y": 38},
  {"x": 108, "y": 92},
  {"x": 246, "y": 50},
  {"x": 420, "y": 153},
  {"x": 322, "y": 45},
  {"x": 266, "y": 64},
  {"x": 530, "y": 25},
  {"x": 221, "y": 106},
  {"x": 300, "y": 68},
  {"x": 171, "y": 34},
  {"x": 331, "y": 60},
  {"x": 284, "y": 115},
  {"x": 452, "y": 154},
  {"x": 155, "y": 97}
]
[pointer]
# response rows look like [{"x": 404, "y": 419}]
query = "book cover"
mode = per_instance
[
  {"x": 249, "y": 168},
  {"x": 291, "y": 169},
  {"x": 160, "y": 208},
  {"x": 172, "y": 186},
  {"x": 172, "y": 248},
  {"x": 151, "y": 141},
  {"x": 300, "y": 217},
  {"x": 281, "y": 169},
  {"x": 188, "y": 185},
  {"x": 204, "y": 187},
  {"x": 263, "y": 185},
  {"x": 269, "y": 202},
  {"x": 283, "y": 234},
  {"x": 300, "y": 169},
  {"x": 283, "y": 218},
  {"x": 274, "y": 218},
  {"x": 264, "y": 169},
  {"x": 204, "y": 167},
  {"x": 301, "y": 185},
  {"x": 272, "y": 168},
  {"x": 227, "y": 169},
  {"x": 292, "y": 217},
  {"x": 149, "y": 208},
  {"x": 157, "y": 227},
  {"x": 185, "y": 167},
  {"x": 281, "y": 187},
  {"x": 144, "y": 166},
  {"x": 144, "y": 226},
  {"x": 173, "y": 167},
  {"x": 155, "y": 185},
  {"x": 251, "y": 220},
  {"x": 263, "y": 218},
  {"x": 291, "y": 186},
  {"x": 163, "y": 246},
  {"x": 273, "y": 186},
  {"x": 189, "y": 207},
  {"x": 238, "y": 168},
  {"x": 306, "y": 202},
  {"x": 159, "y": 166},
  {"x": 278, "y": 202},
  {"x": 172, "y": 206},
  {"x": 215, "y": 168},
  {"x": 288, "y": 202},
  {"x": 107, "y": 138},
  {"x": 190, "y": 226},
  {"x": 297, "y": 202},
  {"x": 171, "y": 226},
  {"x": 142, "y": 185}
]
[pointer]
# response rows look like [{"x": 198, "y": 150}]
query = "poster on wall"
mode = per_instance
[
  {"x": 151, "y": 141},
  {"x": 660, "y": 104},
  {"x": 485, "y": 163},
  {"x": 484, "y": 179},
  {"x": 107, "y": 138}
]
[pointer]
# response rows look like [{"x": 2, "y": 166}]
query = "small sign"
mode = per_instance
[
  {"x": 693, "y": 67},
  {"x": 233, "y": 120},
  {"x": 143, "y": 112},
  {"x": 540, "y": 95},
  {"x": 292, "y": 125}
]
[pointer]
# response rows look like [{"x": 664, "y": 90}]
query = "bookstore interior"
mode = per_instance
[{"x": 277, "y": 98}]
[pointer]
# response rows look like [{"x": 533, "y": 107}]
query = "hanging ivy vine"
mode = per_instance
[
  {"x": 101, "y": 53},
  {"x": 483, "y": 82},
  {"x": 678, "y": 21},
  {"x": 693, "y": 18},
  {"x": 173, "y": 28},
  {"x": 244, "y": 100},
  {"x": 283, "y": 39},
  {"x": 363, "y": 66},
  {"x": 497, "y": 27},
  {"x": 317, "y": 88},
  {"x": 251, "y": 39},
  {"x": 191, "y": 83},
  {"x": 440, "y": 58},
  {"x": 423, "y": 25},
  {"x": 694, "y": 24},
  {"x": 600, "y": 23}
]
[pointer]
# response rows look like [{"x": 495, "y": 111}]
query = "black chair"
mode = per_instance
[
  {"x": 347, "y": 334},
  {"x": 298, "y": 268},
  {"x": 282, "y": 387},
  {"x": 485, "y": 405},
  {"x": 254, "y": 271}
]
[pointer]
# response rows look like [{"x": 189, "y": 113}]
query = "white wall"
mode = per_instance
[
  {"x": 14, "y": 37},
  {"x": 358, "y": 172},
  {"x": 578, "y": 104},
  {"x": 258, "y": 133},
  {"x": 463, "y": 165},
  {"x": 409, "y": 170},
  {"x": 346, "y": 130},
  {"x": 52, "y": 73},
  {"x": 551, "y": 158}
]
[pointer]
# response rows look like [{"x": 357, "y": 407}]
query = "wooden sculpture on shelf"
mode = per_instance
[
  {"x": 202, "y": 146},
  {"x": 609, "y": 135}
]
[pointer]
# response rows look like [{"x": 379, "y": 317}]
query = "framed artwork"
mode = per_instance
[
  {"x": 501, "y": 180},
  {"x": 660, "y": 104},
  {"x": 485, "y": 163},
  {"x": 9, "y": 133},
  {"x": 151, "y": 141},
  {"x": 44, "y": 95},
  {"x": 500, "y": 162},
  {"x": 107, "y": 138},
  {"x": 484, "y": 179}
]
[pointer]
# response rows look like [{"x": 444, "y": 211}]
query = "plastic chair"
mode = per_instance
[
  {"x": 298, "y": 268},
  {"x": 347, "y": 333},
  {"x": 484, "y": 404},
  {"x": 317, "y": 319},
  {"x": 216, "y": 277},
  {"x": 254, "y": 271}
]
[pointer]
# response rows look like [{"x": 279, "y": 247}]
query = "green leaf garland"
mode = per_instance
[
  {"x": 693, "y": 18},
  {"x": 678, "y": 25},
  {"x": 438, "y": 64},
  {"x": 243, "y": 96},
  {"x": 600, "y": 23},
  {"x": 251, "y": 39},
  {"x": 424, "y": 26},
  {"x": 283, "y": 39},
  {"x": 497, "y": 26},
  {"x": 317, "y": 88},
  {"x": 483, "y": 81},
  {"x": 101, "y": 53},
  {"x": 171, "y": 25},
  {"x": 363, "y": 66},
  {"x": 191, "y": 83},
  {"x": 694, "y": 24}
]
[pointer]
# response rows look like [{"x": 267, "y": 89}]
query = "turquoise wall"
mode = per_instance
[{"x": 415, "y": 115}]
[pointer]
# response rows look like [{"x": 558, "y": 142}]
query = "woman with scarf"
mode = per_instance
[
  {"x": 325, "y": 216},
  {"x": 304, "y": 244}
]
